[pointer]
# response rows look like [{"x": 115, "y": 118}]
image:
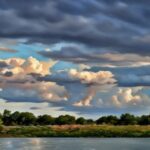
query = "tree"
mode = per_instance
[
  {"x": 1, "y": 119},
  {"x": 144, "y": 120},
  {"x": 107, "y": 120},
  {"x": 15, "y": 118},
  {"x": 26, "y": 118},
  {"x": 45, "y": 120},
  {"x": 127, "y": 119},
  {"x": 6, "y": 117},
  {"x": 6, "y": 113},
  {"x": 81, "y": 121},
  {"x": 112, "y": 120},
  {"x": 101, "y": 120},
  {"x": 90, "y": 121},
  {"x": 66, "y": 119}
]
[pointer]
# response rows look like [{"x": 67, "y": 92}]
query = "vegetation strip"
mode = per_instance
[{"x": 26, "y": 124}]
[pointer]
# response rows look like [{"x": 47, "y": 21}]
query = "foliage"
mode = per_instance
[
  {"x": 108, "y": 120},
  {"x": 28, "y": 118},
  {"x": 45, "y": 120},
  {"x": 76, "y": 131},
  {"x": 66, "y": 119},
  {"x": 81, "y": 121}
]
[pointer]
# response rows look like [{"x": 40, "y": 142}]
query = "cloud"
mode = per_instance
[
  {"x": 128, "y": 76},
  {"x": 41, "y": 91},
  {"x": 126, "y": 97},
  {"x": 102, "y": 80},
  {"x": 86, "y": 101},
  {"x": 3, "y": 64},
  {"x": 132, "y": 60},
  {"x": 115, "y": 99},
  {"x": 105, "y": 25},
  {"x": 108, "y": 47},
  {"x": 28, "y": 66},
  {"x": 96, "y": 58},
  {"x": 79, "y": 90},
  {"x": 5, "y": 49},
  {"x": 19, "y": 80},
  {"x": 101, "y": 77}
]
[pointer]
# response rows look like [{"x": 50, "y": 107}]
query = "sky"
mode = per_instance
[{"x": 84, "y": 58}]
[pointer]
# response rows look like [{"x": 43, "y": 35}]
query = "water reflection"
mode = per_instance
[
  {"x": 74, "y": 144},
  {"x": 37, "y": 143}
]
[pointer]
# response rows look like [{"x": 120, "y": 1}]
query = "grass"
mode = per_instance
[{"x": 76, "y": 131}]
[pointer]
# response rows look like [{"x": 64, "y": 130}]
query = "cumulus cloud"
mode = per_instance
[
  {"x": 99, "y": 81},
  {"x": 47, "y": 91},
  {"x": 116, "y": 99},
  {"x": 127, "y": 96},
  {"x": 128, "y": 76},
  {"x": 86, "y": 101},
  {"x": 101, "y": 77},
  {"x": 28, "y": 66},
  {"x": 18, "y": 76}
]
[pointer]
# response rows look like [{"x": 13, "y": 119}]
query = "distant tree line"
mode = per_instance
[{"x": 27, "y": 118}]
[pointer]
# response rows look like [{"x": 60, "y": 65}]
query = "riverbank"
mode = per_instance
[{"x": 75, "y": 131}]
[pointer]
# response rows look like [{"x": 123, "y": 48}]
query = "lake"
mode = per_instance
[{"x": 75, "y": 143}]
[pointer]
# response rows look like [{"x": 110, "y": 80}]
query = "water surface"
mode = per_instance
[{"x": 75, "y": 144}]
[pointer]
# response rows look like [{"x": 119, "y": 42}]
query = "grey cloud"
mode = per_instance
[
  {"x": 5, "y": 49},
  {"x": 3, "y": 64},
  {"x": 112, "y": 25},
  {"x": 129, "y": 76},
  {"x": 91, "y": 57}
]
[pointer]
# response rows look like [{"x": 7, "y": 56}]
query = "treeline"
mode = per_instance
[{"x": 8, "y": 118}]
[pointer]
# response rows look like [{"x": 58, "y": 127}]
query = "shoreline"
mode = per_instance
[{"x": 76, "y": 131}]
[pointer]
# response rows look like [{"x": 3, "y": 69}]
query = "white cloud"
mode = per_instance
[
  {"x": 101, "y": 77},
  {"x": 99, "y": 81},
  {"x": 27, "y": 66},
  {"x": 22, "y": 84},
  {"x": 128, "y": 97},
  {"x": 86, "y": 101}
]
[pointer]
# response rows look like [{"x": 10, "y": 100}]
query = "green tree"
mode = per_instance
[
  {"x": 81, "y": 121},
  {"x": 90, "y": 121},
  {"x": 66, "y": 119},
  {"x": 1, "y": 119},
  {"x": 6, "y": 117},
  {"x": 15, "y": 118},
  {"x": 102, "y": 120},
  {"x": 127, "y": 119},
  {"x": 113, "y": 120},
  {"x": 26, "y": 118},
  {"x": 45, "y": 120},
  {"x": 144, "y": 120}
]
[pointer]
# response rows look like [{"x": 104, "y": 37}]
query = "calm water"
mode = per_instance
[{"x": 74, "y": 144}]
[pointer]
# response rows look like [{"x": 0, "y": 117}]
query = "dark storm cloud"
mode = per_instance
[
  {"x": 93, "y": 57},
  {"x": 111, "y": 24},
  {"x": 70, "y": 53}
]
